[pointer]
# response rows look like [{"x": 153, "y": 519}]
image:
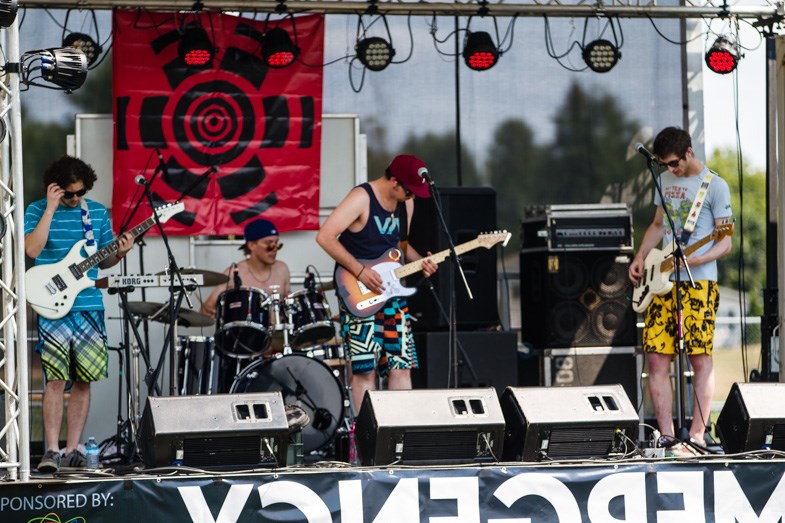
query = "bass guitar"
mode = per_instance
[
  {"x": 658, "y": 267},
  {"x": 362, "y": 302},
  {"x": 52, "y": 288}
]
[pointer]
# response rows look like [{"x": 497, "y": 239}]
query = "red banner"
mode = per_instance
[{"x": 242, "y": 139}]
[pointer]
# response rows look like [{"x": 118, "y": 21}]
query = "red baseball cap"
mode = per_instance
[{"x": 409, "y": 170}]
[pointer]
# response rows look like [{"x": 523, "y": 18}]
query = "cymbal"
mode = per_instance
[
  {"x": 211, "y": 278},
  {"x": 186, "y": 317}
]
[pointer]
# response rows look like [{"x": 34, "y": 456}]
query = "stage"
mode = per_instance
[{"x": 744, "y": 488}]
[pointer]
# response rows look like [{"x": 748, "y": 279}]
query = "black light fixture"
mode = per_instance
[
  {"x": 65, "y": 67},
  {"x": 374, "y": 52},
  {"x": 479, "y": 51},
  {"x": 601, "y": 55},
  {"x": 84, "y": 43},
  {"x": 723, "y": 56},
  {"x": 8, "y": 10},
  {"x": 195, "y": 48},
  {"x": 277, "y": 48}
]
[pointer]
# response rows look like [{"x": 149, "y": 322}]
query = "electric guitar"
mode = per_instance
[
  {"x": 658, "y": 267},
  {"x": 363, "y": 302},
  {"x": 52, "y": 288}
]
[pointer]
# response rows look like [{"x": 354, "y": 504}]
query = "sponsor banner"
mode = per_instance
[
  {"x": 239, "y": 138},
  {"x": 726, "y": 492}
]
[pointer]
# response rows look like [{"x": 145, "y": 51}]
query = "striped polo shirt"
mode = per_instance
[{"x": 65, "y": 231}]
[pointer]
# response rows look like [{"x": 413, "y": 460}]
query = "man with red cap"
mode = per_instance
[{"x": 364, "y": 226}]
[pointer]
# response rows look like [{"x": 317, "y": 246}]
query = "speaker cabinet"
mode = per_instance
[
  {"x": 222, "y": 431},
  {"x": 468, "y": 212},
  {"x": 576, "y": 299},
  {"x": 488, "y": 359},
  {"x": 753, "y": 418},
  {"x": 588, "y": 366},
  {"x": 568, "y": 423},
  {"x": 422, "y": 427}
]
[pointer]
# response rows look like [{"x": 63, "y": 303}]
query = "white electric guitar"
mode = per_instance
[
  {"x": 658, "y": 267},
  {"x": 52, "y": 288}
]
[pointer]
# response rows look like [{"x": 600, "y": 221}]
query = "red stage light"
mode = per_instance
[
  {"x": 723, "y": 56},
  {"x": 479, "y": 51},
  {"x": 196, "y": 49},
  {"x": 278, "y": 49}
]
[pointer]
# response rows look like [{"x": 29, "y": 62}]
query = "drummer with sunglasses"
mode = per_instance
[{"x": 260, "y": 269}]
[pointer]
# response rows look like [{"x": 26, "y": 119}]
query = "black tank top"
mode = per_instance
[{"x": 382, "y": 231}]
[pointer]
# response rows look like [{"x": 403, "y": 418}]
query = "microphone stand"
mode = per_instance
[
  {"x": 456, "y": 267},
  {"x": 678, "y": 258}
]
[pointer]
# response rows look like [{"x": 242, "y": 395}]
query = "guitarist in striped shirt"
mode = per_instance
[
  {"x": 683, "y": 177},
  {"x": 73, "y": 348},
  {"x": 363, "y": 227}
]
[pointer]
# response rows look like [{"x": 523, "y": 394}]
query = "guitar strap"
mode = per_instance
[
  {"x": 87, "y": 227},
  {"x": 697, "y": 205},
  {"x": 403, "y": 223}
]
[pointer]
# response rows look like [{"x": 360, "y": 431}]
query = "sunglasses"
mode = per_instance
[
  {"x": 672, "y": 164},
  {"x": 68, "y": 194},
  {"x": 273, "y": 246},
  {"x": 406, "y": 191}
]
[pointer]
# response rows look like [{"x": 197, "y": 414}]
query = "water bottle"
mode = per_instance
[{"x": 92, "y": 452}]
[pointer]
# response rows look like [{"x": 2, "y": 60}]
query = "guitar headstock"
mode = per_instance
[
  {"x": 165, "y": 212},
  {"x": 489, "y": 239},
  {"x": 724, "y": 229}
]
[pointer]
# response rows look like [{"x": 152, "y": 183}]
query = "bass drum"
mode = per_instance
[{"x": 304, "y": 382}]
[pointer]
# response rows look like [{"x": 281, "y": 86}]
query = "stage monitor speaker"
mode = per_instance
[
  {"x": 221, "y": 431},
  {"x": 753, "y": 418},
  {"x": 428, "y": 427},
  {"x": 568, "y": 423},
  {"x": 576, "y": 299},
  {"x": 468, "y": 212},
  {"x": 489, "y": 359}
]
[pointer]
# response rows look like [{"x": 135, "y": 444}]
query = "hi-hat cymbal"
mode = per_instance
[
  {"x": 211, "y": 278},
  {"x": 186, "y": 317}
]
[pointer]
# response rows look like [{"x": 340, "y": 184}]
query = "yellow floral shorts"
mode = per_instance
[{"x": 700, "y": 306}]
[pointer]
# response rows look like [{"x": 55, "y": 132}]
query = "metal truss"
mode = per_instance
[
  {"x": 555, "y": 8},
  {"x": 14, "y": 379}
]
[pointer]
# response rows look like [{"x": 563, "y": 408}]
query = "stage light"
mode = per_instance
[
  {"x": 375, "y": 53},
  {"x": 195, "y": 49},
  {"x": 277, "y": 48},
  {"x": 479, "y": 51},
  {"x": 723, "y": 56},
  {"x": 601, "y": 55},
  {"x": 8, "y": 10},
  {"x": 84, "y": 43},
  {"x": 66, "y": 67}
]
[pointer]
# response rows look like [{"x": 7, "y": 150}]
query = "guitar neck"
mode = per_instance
[
  {"x": 416, "y": 266},
  {"x": 111, "y": 249},
  {"x": 667, "y": 265}
]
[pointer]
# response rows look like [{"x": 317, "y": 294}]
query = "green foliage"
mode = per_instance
[
  {"x": 43, "y": 142},
  {"x": 748, "y": 197},
  {"x": 438, "y": 153},
  {"x": 95, "y": 96}
]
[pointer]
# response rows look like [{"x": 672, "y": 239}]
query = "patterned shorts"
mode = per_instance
[
  {"x": 699, "y": 311},
  {"x": 382, "y": 341},
  {"x": 73, "y": 348}
]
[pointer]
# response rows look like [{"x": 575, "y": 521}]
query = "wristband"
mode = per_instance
[{"x": 361, "y": 271}]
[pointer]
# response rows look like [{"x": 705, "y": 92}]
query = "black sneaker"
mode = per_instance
[
  {"x": 75, "y": 459},
  {"x": 50, "y": 462}
]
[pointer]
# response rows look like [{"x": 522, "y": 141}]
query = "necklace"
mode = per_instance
[{"x": 257, "y": 278}]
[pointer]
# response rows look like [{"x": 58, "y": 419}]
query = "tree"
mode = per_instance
[
  {"x": 438, "y": 153},
  {"x": 513, "y": 168},
  {"x": 749, "y": 238}
]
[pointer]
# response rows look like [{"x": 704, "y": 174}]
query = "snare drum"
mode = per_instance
[
  {"x": 304, "y": 382},
  {"x": 311, "y": 323},
  {"x": 243, "y": 329}
]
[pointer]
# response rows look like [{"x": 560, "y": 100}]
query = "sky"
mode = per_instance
[{"x": 719, "y": 114}]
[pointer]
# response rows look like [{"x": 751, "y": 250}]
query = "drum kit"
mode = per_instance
[{"x": 265, "y": 342}]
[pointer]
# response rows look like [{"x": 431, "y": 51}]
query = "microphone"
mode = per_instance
[
  {"x": 162, "y": 163},
  {"x": 140, "y": 180},
  {"x": 645, "y": 152},
  {"x": 423, "y": 172},
  {"x": 237, "y": 281},
  {"x": 310, "y": 282}
]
